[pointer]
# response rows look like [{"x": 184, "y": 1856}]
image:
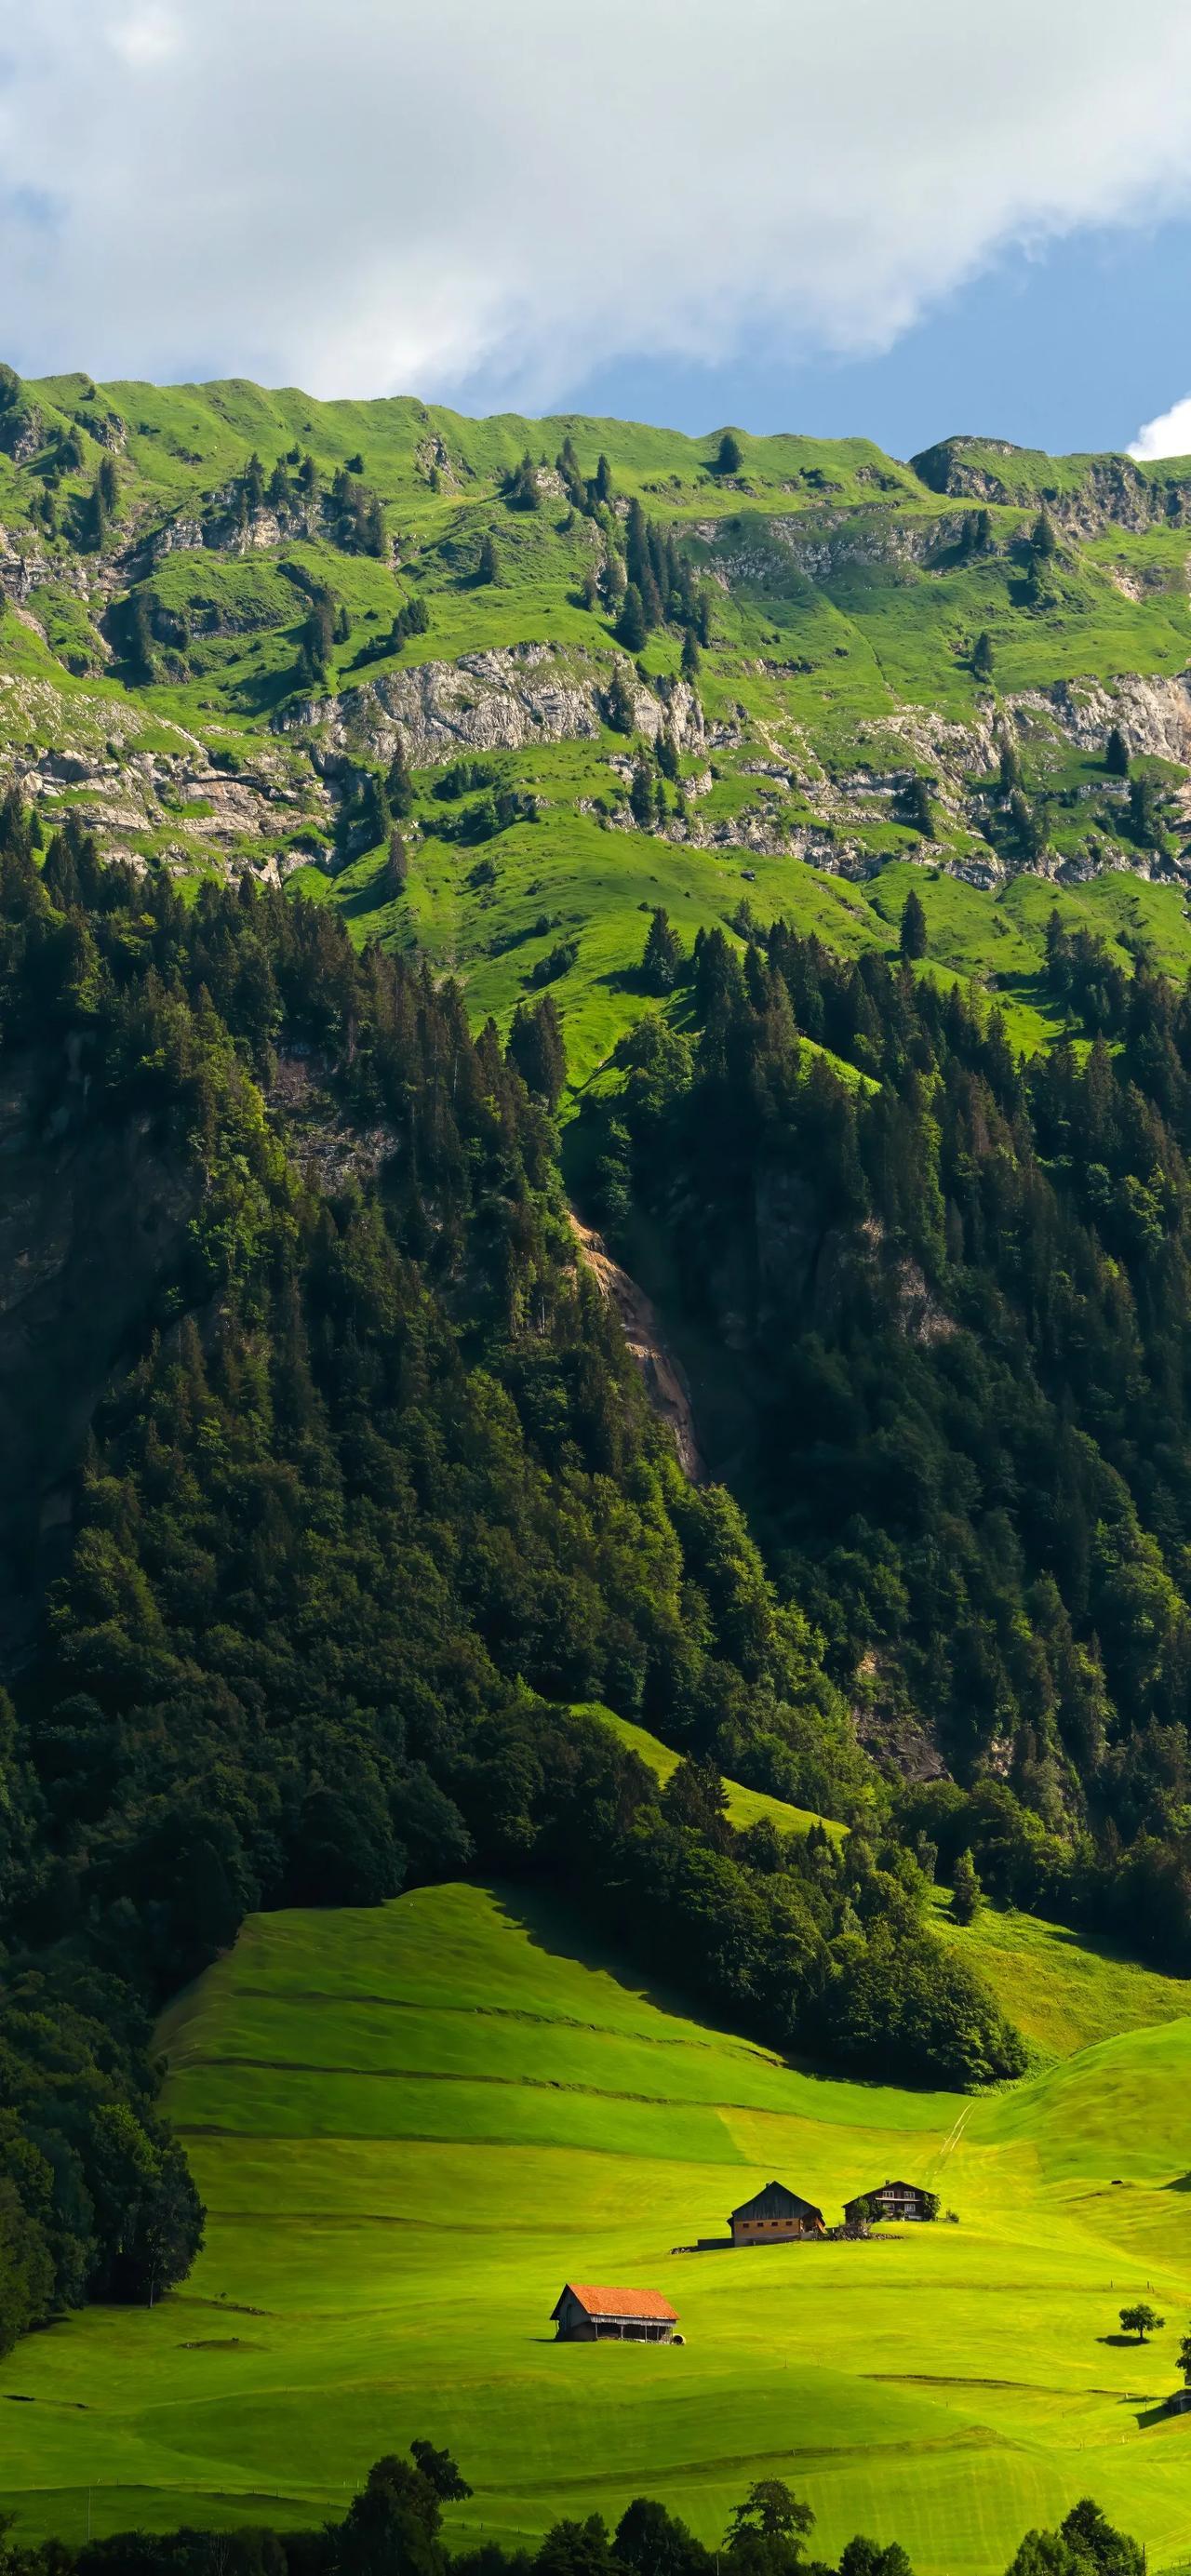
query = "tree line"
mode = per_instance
[{"x": 395, "y": 2526}]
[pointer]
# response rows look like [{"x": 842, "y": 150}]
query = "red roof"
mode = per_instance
[{"x": 602, "y": 2302}]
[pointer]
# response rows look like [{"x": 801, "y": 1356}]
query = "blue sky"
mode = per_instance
[{"x": 1072, "y": 346}]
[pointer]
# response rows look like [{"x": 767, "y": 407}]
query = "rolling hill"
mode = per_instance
[{"x": 411, "y": 2123}]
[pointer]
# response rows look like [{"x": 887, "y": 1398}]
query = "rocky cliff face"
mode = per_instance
[{"x": 504, "y": 700}]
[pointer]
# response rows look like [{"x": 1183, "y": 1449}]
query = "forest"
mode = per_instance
[
  {"x": 961, "y": 1279},
  {"x": 374, "y": 1497}
]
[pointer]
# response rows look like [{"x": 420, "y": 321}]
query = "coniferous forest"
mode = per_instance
[{"x": 376, "y": 1491}]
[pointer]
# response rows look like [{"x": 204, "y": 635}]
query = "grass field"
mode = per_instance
[{"x": 412, "y": 2124}]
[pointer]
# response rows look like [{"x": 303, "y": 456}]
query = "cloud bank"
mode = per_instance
[
  {"x": 1169, "y": 435},
  {"x": 378, "y": 196}
]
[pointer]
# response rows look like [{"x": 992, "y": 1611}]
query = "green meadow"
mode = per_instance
[{"x": 412, "y": 2124}]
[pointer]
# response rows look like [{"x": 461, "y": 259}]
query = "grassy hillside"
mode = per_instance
[
  {"x": 1064, "y": 1991},
  {"x": 412, "y": 2123},
  {"x": 745, "y": 1806},
  {"x": 846, "y": 591}
]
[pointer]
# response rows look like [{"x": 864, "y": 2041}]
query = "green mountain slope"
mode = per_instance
[
  {"x": 157, "y": 675},
  {"x": 412, "y": 2123}
]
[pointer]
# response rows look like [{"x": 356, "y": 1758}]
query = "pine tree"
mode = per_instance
[
  {"x": 966, "y": 1890},
  {"x": 1043, "y": 541},
  {"x": 662, "y": 962},
  {"x": 690, "y": 654},
  {"x": 619, "y": 710},
  {"x": 641, "y": 794},
  {"x": 603, "y": 480},
  {"x": 912, "y": 938},
  {"x": 665, "y": 752},
  {"x": 1116, "y": 754},
  {"x": 728, "y": 458},
  {"x": 982, "y": 657},
  {"x": 630, "y": 626},
  {"x": 661, "y": 810},
  {"x": 918, "y": 808},
  {"x": 397, "y": 864},
  {"x": 536, "y": 1047},
  {"x": 254, "y": 483},
  {"x": 399, "y": 784},
  {"x": 488, "y": 568},
  {"x": 1010, "y": 767},
  {"x": 109, "y": 484}
]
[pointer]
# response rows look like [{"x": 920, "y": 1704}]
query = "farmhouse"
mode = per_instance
[
  {"x": 893, "y": 2200},
  {"x": 587, "y": 2314},
  {"x": 775, "y": 2216}
]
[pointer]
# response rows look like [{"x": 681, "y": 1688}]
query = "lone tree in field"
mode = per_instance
[
  {"x": 488, "y": 567},
  {"x": 982, "y": 657},
  {"x": 1116, "y": 754},
  {"x": 1141, "y": 2320},
  {"x": 965, "y": 1890},
  {"x": 912, "y": 938},
  {"x": 766, "y": 2532},
  {"x": 690, "y": 653},
  {"x": 728, "y": 457}
]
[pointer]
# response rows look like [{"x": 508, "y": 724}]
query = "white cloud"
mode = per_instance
[
  {"x": 390, "y": 196},
  {"x": 1169, "y": 435}
]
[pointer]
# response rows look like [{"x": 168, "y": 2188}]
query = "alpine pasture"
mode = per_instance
[{"x": 412, "y": 2124}]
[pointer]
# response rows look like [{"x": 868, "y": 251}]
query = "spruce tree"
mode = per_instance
[
  {"x": 662, "y": 962},
  {"x": 912, "y": 938},
  {"x": 1010, "y": 767},
  {"x": 966, "y": 1890},
  {"x": 631, "y": 628},
  {"x": 728, "y": 458},
  {"x": 536, "y": 1047},
  {"x": 618, "y": 704},
  {"x": 641, "y": 794},
  {"x": 661, "y": 810},
  {"x": 397, "y": 864},
  {"x": 1116, "y": 754},
  {"x": 918, "y": 808},
  {"x": 603, "y": 480},
  {"x": 488, "y": 568},
  {"x": 1043, "y": 541},
  {"x": 982, "y": 657},
  {"x": 399, "y": 784},
  {"x": 690, "y": 654}
]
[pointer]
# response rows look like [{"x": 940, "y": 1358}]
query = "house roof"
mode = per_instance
[
  {"x": 918, "y": 2189},
  {"x": 603, "y": 2302},
  {"x": 776, "y": 2201}
]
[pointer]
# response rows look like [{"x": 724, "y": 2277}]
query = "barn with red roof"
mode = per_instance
[{"x": 592, "y": 2313}]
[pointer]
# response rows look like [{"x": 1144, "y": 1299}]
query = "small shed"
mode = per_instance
[
  {"x": 775, "y": 2216},
  {"x": 589, "y": 2312},
  {"x": 893, "y": 2200}
]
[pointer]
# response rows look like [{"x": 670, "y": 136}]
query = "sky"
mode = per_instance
[{"x": 897, "y": 218}]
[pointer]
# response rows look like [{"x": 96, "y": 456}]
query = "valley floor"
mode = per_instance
[{"x": 412, "y": 2124}]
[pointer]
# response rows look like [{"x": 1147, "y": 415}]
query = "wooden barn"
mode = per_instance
[
  {"x": 592, "y": 2314},
  {"x": 775, "y": 2216},
  {"x": 892, "y": 2200}
]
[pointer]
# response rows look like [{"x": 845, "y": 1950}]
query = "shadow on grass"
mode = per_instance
[{"x": 562, "y": 1932}]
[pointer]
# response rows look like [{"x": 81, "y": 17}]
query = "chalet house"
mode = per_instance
[
  {"x": 893, "y": 2200},
  {"x": 774, "y": 2217},
  {"x": 595, "y": 2315}
]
